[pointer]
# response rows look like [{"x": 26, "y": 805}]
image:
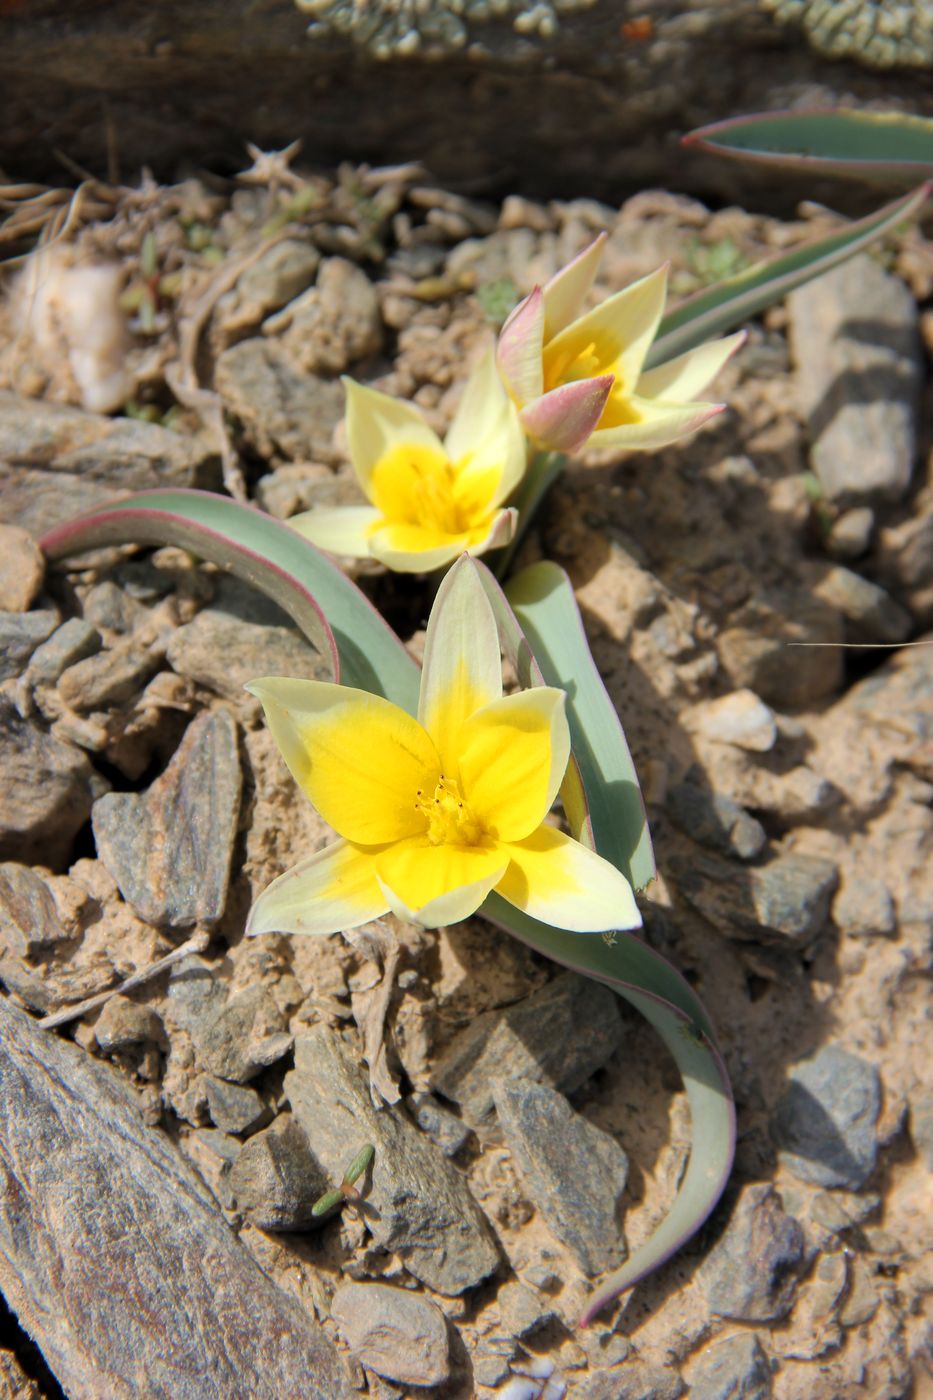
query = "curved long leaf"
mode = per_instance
[
  {"x": 729, "y": 303},
  {"x": 322, "y": 601},
  {"x": 891, "y": 145},
  {"x": 548, "y": 614},
  {"x": 290, "y": 570},
  {"x": 636, "y": 972}
]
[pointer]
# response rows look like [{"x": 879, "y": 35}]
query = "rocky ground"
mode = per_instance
[{"x": 532, "y": 1130}]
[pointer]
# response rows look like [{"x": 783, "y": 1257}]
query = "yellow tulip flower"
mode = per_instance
[
  {"x": 580, "y": 379},
  {"x": 430, "y": 501},
  {"x": 433, "y": 813}
]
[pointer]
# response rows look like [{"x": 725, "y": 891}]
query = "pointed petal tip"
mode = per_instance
[{"x": 563, "y": 419}]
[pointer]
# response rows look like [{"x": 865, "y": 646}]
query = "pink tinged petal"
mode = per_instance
[
  {"x": 340, "y": 529},
  {"x": 415, "y": 549},
  {"x": 567, "y": 290},
  {"x": 513, "y": 757},
  {"x": 518, "y": 353},
  {"x": 681, "y": 380},
  {"x": 359, "y": 758},
  {"x": 435, "y": 885},
  {"x": 555, "y": 879},
  {"x": 462, "y": 661},
  {"x": 377, "y": 423},
  {"x": 657, "y": 425},
  {"x": 562, "y": 420},
  {"x": 333, "y": 890}
]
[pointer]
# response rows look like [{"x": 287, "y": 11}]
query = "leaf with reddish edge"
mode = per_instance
[
  {"x": 542, "y": 631},
  {"x": 322, "y": 601},
  {"x": 835, "y": 141},
  {"x": 727, "y": 304},
  {"x": 315, "y": 593}
]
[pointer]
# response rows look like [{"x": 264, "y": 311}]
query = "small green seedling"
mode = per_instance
[{"x": 347, "y": 1190}]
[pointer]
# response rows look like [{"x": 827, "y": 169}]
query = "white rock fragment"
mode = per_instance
[
  {"x": 69, "y": 307},
  {"x": 741, "y": 719}
]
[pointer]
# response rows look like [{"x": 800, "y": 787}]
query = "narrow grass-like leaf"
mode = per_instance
[
  {"x": 727, "y": 304},
  {"x": 636, "y": 972},
  {"x": 889, "y": 145},
  {"x": 548, "y": 614},
  {"x": 322, "y": 601}
]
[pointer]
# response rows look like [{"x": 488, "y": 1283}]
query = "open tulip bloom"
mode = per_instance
[
  {"x": 430, "y": 501},
  {"x": 580, "y": 378},
  {"x": 435, "y": 812}
]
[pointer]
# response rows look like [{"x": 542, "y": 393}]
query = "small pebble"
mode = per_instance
[
  {"x": 22, "y": 569},
  {"x": 864, "y": 908},
  {"x": 397, "y": 1333}
]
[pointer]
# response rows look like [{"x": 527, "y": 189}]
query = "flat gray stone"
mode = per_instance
[
  {"x": 124, "y": 1023},
  {"x": 395, "y": 1332},
  {"x": 521, "y": 1310},
  {"x": 786, "y": 901},
  {"x": 169, "y": 849},
  {"x": 875, "y": 616},
  {"x": 560, "y": 1035},
  {"x": 275, "y": 1179},
  {"x": 235, "y": 1108},
  {"x": 244, "y": 1037},
  {"x": 864, "y": 908},
  {"x": 57, "y": 462},
  {"x": 29, "y": 920},
  {"x": 752, "y": 1272},
  {"x": 855, "y": 338},
  {"x": 825, "y": 1126},
  {"x": 20, "y": 634},
  {"x": 548, "y": 1142},
  {"x": 73, "y": 641},
  {"x": 193, "y": 994},
  {"x": 223, "y": 652},
  {"x": 113, "y": 1253},
  {"x": 630, "y": 1381},
  {"x": 733, "y": 1369},
  {"x": 284, "y": 411},
  {"x": 715, "y": 820},
  {"x": 754, "y": 648},
  {"x": 110, "y": 677},
  {"x": 47, "y": 788},
  {"x": 421, "y": 1207}
]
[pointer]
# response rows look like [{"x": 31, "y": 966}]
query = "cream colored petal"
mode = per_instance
[
  {"x": 614, "y": 337},
  {"x": 681, "y": 380},
  {"x": 518, "y": 353},
  {"x": 512, "y": 758},
  {"x": 376, "y": 423},
  {"x": 501, "y": 532},
  {"x": 497, "y": 462},
  {"x": 555, "y": 879},
  {"x": 567, "y": 290},
  {"x": 434, "y": 885},
  {"x": 333, "y": 890},
  {"x": 338, "y": 529},
  {"x": 479, "y": 412},
  {"x": 658, "y": 425},
  {"x": 415, "y": 549},
  {"x": 359, "y": 758},
  {"x": 462, "y": 661}
]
